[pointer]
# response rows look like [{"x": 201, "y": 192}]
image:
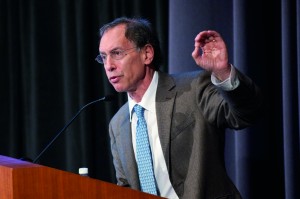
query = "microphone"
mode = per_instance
[{"x": 106, "y": 98}]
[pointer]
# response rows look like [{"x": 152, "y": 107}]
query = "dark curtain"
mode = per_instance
[
  {"x": 48, "y": 72},
  {"x": 263, "y": 40}
]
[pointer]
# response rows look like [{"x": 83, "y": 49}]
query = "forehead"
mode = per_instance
[{"x": 113, "y": 38}]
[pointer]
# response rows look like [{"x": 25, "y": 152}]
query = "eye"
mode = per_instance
[{"x": 116, "y": 53}]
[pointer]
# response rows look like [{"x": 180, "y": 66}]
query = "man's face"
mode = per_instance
[{"x": 127, "y": 73}]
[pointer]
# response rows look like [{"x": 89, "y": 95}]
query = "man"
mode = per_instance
[{"x": 186, "y": 115}]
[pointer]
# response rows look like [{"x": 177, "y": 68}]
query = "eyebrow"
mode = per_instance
[{"x": 116, "y": 48}]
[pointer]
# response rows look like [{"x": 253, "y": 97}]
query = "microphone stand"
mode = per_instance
[{"x": 106, "y": 98}]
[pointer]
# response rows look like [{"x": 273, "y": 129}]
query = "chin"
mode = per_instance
[{"x": 120, "y": 89}]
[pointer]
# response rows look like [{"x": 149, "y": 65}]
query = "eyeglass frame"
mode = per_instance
[{"x": 102, "y": 60}]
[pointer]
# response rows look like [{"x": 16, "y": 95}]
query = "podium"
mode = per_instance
[{"x": 24, "y": 180}]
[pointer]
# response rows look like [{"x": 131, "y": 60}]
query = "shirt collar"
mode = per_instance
[{"x": 148, "y": 100}]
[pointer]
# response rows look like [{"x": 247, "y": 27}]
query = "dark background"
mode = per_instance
[{"x": 48, "y": 72}]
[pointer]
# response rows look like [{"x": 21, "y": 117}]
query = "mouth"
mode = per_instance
[{"x": 114, "y": 79}]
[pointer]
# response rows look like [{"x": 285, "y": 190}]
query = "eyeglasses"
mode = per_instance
[{"x": 116, "y": 54}]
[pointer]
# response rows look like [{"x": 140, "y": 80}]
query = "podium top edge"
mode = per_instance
[{"x": 15, "y": 163}]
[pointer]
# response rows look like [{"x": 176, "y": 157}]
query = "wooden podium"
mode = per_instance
[{"x": 24, "y": 180}]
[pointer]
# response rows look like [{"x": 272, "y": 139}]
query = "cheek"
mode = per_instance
[
  {"x": 136, "y": 72},
  {"x": 134, "y": 68}
]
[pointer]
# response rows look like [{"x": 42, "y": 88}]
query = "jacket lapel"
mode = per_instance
[
  {"x": 129, "y": 162},
  {"x": 165, "y": 97}
]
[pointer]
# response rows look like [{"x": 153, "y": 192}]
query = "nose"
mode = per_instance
[{"x": 109, "y": 64}]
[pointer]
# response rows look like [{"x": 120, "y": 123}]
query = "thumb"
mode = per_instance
[{"x": 196, "y": 53}]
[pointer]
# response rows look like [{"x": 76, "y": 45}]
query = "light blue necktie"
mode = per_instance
[{"x": 144, "y": 159}]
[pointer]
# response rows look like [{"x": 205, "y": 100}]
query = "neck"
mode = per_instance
[{"x": 139, "y": 92}]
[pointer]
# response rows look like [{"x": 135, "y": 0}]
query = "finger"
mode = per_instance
[
  {"x": 196, "y": 52},
  {"x": 207, "y": 36},
  {"x": 212, "y": 39},
  {"x": 197, "y": 40},
  {"x": 201, "y": 39},
  {"x": 213, "y": 33}
]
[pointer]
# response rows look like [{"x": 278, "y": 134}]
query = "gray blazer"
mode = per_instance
[{"x": 192, "y": 116}]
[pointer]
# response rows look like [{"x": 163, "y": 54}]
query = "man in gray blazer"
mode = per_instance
[{"x": 186, "y": 114}]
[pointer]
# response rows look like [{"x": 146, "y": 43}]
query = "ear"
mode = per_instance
[{"x": 148, "y": 53}]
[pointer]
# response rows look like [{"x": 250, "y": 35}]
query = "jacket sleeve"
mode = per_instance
[{"x": 234, "y": 109}]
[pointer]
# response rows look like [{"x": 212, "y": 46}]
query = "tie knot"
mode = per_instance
[{"x": 139, "y": 111}]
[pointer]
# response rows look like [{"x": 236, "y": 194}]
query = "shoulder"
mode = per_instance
[
  {"x": 191, "y": 75},
  {"x": 121, "y": 115},
  {"x": 186, "y": 78}
]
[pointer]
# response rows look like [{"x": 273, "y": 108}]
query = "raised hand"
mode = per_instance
[{"x": 210, "y": 53}]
